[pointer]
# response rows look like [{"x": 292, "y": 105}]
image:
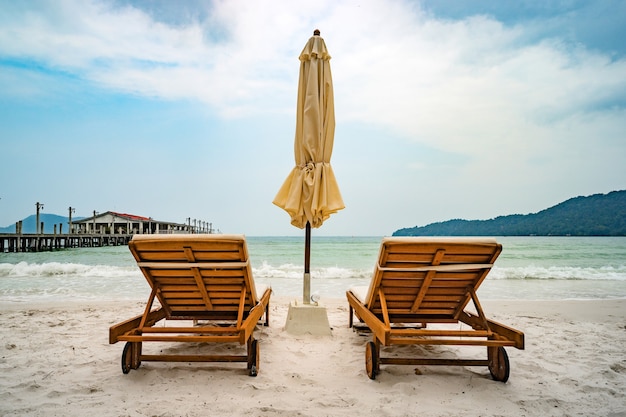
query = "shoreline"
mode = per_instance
[
  {"x": 56, "y": 360},
  {"x": 79, "y": 302}
]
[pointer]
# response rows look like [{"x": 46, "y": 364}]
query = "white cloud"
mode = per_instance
[
  {"x": 392, "y": 63},
  {"x": 520, "y": 111}
]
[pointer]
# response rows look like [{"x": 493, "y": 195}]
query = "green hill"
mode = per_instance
[
  {"x": 595, "y": 215},
  {"x": 29, "y": 224}
]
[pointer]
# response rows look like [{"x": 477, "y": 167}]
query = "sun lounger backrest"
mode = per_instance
[
  {"x": 197, "y": 275},
  {"x": 430, "y": 277}
]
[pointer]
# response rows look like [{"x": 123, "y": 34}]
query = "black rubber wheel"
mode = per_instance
[
  {"x": 498, "y": 363},
  {"x": 253, "y": 358},
  {"x": 127, "y": 358},
  {"x": 371, "y": 360}
]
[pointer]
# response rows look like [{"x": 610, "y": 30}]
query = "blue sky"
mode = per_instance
[{"x": 444, "y": 109}]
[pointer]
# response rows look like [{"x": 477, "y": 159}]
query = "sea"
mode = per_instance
[{"x": 529, "y": 268}]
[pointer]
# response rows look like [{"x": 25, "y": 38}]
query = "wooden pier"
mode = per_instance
[
  {"x": 11, "y": 242},
  {"x": 105, "y": 229}
]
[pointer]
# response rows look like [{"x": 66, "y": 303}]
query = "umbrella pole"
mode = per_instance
[{"x": 306, "y": 297}]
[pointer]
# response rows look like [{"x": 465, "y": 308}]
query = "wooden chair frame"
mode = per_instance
[
  {"x": 405, "y": 319},
  {"x": 223, "y": 312}
]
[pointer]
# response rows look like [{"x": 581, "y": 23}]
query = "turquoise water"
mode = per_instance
[{"x": 528, "y": 268}]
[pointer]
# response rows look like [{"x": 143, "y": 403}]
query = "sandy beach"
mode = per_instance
[{"x": 56, "y": 360}]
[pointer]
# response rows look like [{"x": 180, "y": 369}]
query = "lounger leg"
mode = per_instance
[
  {"x": 131, "y": 356},
  {"x": 249, "y": 351},
  {"x": 267, "y": 315},
  {"x": 253, "y": 356},
  {"x": 377, "y": 344},
  {"x": 499, "y": 366},
  {"x": 351, "y": 318},
  {"x": 136, "y": 355},
  {"x": 372, "y": 358}
]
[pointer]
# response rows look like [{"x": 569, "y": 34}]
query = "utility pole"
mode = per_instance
[
  {"x": 72, "y": 210},
  {"x": 37, "y": 226}
]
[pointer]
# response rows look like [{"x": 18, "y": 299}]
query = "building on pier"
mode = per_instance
[
  {"x": 129, "y": 224},
  {"x": 106, "y": 229}
]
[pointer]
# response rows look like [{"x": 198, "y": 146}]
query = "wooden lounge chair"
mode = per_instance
[
  {"x": 424, "y": 282},
  {"x": 205, "y": 282}
]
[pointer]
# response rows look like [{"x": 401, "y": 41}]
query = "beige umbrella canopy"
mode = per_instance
[{"x": 310, "y": 193}]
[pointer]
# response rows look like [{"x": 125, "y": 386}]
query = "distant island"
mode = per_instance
[
  {"x": 595, "y": 215},
  {"x": 29, "y": 224}
]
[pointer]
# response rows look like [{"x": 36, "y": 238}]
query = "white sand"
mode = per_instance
[{"x": 55, "y": 360}]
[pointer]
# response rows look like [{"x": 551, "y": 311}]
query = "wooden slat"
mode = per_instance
[
  {"x": 188, "y": 307},
  {"x": 450, "y": 342},
  {"x": 203, "y": 291},
  {"x": 190, "y": 330},
  {"x": 436, "y": 260},
  {"x": 194, "y": 358},
  {"x": 181, "y": 338},
  {"x": 440, "y": 333},
  {"x": 189, "y": 280},
  {"x": 417, "y": 280},
  {"x": 191, "y": 270},
  {"x": 192, "y": 264}
]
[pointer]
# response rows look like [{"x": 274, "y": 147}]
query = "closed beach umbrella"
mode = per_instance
[{"x": 310, "y": 193}]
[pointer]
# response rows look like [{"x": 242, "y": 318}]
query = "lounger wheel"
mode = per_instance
[
  {"x": 253, "y": 358},
  {"x": 127, "y": 358},
  {"x": 371, "y": 359},
  {"x": 498, "y": 363}
]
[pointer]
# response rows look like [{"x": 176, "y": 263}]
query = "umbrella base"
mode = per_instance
[{"x": 307, "y": 319}]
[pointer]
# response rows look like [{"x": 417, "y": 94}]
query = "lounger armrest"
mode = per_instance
[
  {"x": 255, "y": 315},
  {"x": 126, "y": 326},
  {"x": 499, "y": 329},
  {"x": 377, "y": 326}
]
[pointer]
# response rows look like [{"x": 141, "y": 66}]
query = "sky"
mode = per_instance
[{"x": 444, "y": 109}]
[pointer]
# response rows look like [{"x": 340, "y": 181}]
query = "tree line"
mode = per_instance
[{"x": 595, "y": 215}]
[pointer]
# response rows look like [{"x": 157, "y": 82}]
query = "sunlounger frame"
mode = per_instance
[
  {"x": 421, "y": 282},
  {"x": 203, "y": 280}
]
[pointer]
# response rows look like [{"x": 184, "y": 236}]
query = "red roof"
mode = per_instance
[{"x": 130, "y": 216}]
